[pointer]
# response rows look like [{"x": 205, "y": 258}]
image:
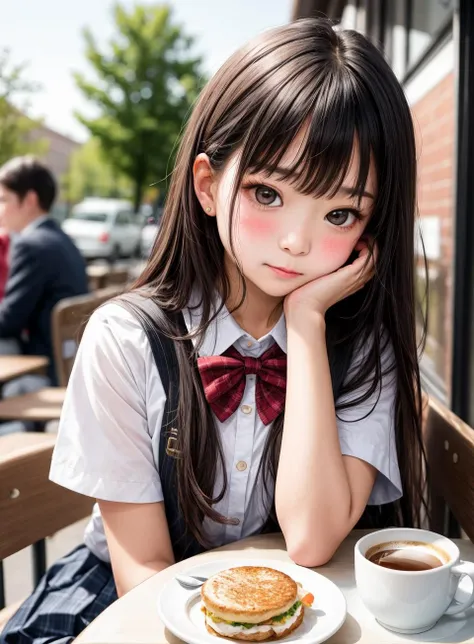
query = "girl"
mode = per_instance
[{"x": 264, "y": 369}]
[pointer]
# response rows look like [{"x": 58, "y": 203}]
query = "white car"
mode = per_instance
[
  {"x": 148, "y": 236},
  {"x": 104, "y": 229}
]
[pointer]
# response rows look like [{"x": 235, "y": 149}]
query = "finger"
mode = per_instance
[
  {"x": 353, "y": 277},
  {"x": 364, "y": 263},
  {"x": 361, "y": 267},
  {"x": 363, "y": 242},
  {"x": 364, "y": 268},
  {"x": 367, "y": 247}
]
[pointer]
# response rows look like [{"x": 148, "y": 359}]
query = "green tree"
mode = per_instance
[
  {"x": 91, "y": 175},
  {"x": 147, "y": 82},
  {"x": 15, "y": 126}
]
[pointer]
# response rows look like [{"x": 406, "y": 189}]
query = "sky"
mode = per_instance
[{"x": 46, "y": 35}]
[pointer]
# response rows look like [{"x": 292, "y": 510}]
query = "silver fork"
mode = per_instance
[{"x": 190, "y": 582}]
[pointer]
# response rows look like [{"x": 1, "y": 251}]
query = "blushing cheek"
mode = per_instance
[
  {"x": 336, "y": 250},
  {"x": 256, "y": 226}
]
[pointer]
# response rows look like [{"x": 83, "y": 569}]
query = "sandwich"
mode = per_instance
[{"x": 253, "y": 603}]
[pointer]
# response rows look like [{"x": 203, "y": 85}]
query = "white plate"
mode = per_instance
[{"x": 180, "y": 609}]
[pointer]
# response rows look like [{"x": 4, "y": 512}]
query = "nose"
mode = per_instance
[{"x": 296, "y": 242}]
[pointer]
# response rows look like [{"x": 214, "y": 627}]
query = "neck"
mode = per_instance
[
  {"x": 31, "y": 218},
  {"x": 259, "y": 312}
]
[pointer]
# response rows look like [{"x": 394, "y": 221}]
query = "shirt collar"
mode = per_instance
[
  {"x": 34, "y": 224},
  {"x": 223, "y": 331}
]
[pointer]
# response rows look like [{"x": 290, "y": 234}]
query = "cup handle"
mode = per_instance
[{"x": 463, "y": 568}]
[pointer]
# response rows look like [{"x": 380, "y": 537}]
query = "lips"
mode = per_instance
[{"x": 284, "y": 272}]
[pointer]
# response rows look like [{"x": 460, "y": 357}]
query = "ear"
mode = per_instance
[
  {"x": 205, "y": 184},
  {"x": 30, "y": 200}
]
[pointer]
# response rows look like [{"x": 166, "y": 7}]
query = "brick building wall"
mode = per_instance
[{"x": 434, "y": 118}]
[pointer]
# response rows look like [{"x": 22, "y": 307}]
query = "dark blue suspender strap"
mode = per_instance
[{"x": 153, "y": 319}]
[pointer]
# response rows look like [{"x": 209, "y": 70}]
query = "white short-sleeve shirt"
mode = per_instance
[{"x": 108, "y": 439}]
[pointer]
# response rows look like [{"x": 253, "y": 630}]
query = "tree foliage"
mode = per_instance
[
  {"x": 15, "y": 127},
  {"x": 90, "y": 175},
  {"x": 146, "y": 83}
]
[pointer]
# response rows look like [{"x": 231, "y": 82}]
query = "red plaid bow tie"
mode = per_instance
[{"x": 223, "y": 378}]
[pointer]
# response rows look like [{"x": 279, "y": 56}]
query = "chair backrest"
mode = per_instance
[
  {"x": 68, "y": 321},
  {"x": 31, "y": 506},
  {"x": 450, "y": 452}
]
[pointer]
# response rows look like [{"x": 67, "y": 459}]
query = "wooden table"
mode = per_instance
[
  {"x": 14, "y": 366},
  {"x": 133, "y": 619}
]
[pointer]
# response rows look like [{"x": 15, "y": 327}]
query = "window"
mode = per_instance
[
  {"x": 437, "y": 356},
  {"x": 426, "y": 20},
  {"x": 434, "y": 115},
  {"x": 90, "y": 216},
  {"x": 415, "y": 37},
  {"x": 123, "y": 218}
]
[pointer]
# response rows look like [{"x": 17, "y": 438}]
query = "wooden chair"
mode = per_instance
[
  {"x": 31, "y": 506},
  {"x": 449, "y": 445},
  {"x": 69, "y": 319}
]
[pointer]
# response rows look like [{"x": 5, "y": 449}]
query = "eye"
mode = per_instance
[
  {"x": 267, "y": 196},
  {"x": 343, "y": 218}
]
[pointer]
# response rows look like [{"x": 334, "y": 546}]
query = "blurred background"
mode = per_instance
[{"x": 100, "y": 91}]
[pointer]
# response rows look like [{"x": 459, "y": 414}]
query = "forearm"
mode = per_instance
[{"x": 313, "y": 494}]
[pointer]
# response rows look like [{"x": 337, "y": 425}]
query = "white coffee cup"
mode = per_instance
[{"x": 411, "y": 601}]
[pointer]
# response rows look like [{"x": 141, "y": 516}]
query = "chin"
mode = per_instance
[{"x": 277, "y": 290}]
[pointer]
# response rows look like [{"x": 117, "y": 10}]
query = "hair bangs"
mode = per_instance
[{"x": 327, "y": 125}]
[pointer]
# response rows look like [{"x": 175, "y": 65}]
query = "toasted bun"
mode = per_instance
[
  {"x": 250, "y": 594},
  {"x": 259, "y": 637}
]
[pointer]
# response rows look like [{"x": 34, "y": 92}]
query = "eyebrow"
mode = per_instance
[
  {"x": 352, "y": 192},
  {"x": 346, "y": 190}
]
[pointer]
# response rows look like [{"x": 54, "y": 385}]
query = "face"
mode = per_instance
[
  {"x": 13, "y": 212},
  {"x": 282, "y": 238}
]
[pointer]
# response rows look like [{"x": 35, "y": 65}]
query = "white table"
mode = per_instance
[{"x": 133, "y": 619}]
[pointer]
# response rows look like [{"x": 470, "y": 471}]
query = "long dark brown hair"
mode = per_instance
[{"x": 338, "y": 86}]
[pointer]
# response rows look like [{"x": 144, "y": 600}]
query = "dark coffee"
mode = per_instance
[{"x": 411, "y": 556}]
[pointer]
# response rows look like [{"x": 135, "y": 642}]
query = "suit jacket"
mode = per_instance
[
  {"x": 45, "y": 267},
  {"x": 4, "y": 253}
]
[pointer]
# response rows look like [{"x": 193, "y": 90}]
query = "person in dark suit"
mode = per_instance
[{"x": 45, "y": 265}]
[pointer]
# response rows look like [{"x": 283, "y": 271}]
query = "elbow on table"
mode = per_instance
[
  {"x": 311, "y": 554},
  {"x": 310, "y": 559},
  {"x": 312, "y": 543}
]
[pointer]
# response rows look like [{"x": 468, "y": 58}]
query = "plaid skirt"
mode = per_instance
[{"x": 72, "y": 593}]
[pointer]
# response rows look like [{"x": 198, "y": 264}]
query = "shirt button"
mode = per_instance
[
  {"x": 247, "y": 409},
  {"x": 250, "y": 344},
  {"x": 241, "y": 466}
]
